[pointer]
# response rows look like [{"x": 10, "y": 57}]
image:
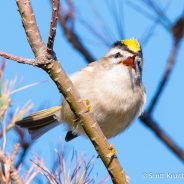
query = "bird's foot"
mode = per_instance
[
  {"x": 113, "y": 152},
  {"x": 89, "y": 108},
  {"x": 75, "y": 120}
]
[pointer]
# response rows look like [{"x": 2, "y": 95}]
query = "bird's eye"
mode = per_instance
[
  {"x": 117, "y": 55},
  {"x": 139, "y": 63}
]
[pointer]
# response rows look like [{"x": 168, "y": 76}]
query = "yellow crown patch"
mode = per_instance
[{"x": 132, "y": 44}]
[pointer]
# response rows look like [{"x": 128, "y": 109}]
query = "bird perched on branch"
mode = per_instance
[{"x": 112, "y": 88}]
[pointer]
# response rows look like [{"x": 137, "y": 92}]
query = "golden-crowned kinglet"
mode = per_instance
[{"x": 112, "y": 85}]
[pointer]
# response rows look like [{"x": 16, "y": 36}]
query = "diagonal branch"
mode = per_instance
[
  {"x": 150, "y": 123},
  {"x": 29, "y": 22},
  {"x": 54, "y": 20}
]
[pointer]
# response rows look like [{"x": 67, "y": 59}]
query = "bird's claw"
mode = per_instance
[
  {"x": 113, "y": 152},
  {"x": 89, "y": 108}
]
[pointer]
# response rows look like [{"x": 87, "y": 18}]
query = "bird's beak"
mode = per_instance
[{"x": 129, "y": 62}]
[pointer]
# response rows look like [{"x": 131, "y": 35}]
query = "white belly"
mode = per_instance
[{"x": 119, "y": 114}]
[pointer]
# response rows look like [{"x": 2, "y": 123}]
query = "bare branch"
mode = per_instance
[
  {"x": 54, "y": 20},
  {"x": 29, "y": 23},
  {"x": 15, "y": 151},
  {"x": 2, "y": 66},
  {"x": 13, "y": 172},
  {"x": 17, "y": 117},
  {"x": 150, "y": 123},
  {"x": 17, "y": 58},
  {"x": 31, "y": 175},
  {"x": 43, "y": 169},
  {"x": 178, "y": 30},
  {"x": 9, "y": 166}
]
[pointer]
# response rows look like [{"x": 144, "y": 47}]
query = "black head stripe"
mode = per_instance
[{"x": 122, "y": 46}]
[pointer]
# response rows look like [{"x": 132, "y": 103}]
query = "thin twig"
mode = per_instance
[
  {"x": 116, "y": 10},
  {"x": 54, "y": 20},
  {"x": 31, "y": 174},
  {"x": 27, "y": 86},
  {"x": 9, "y": 166},
  {"x": 15, "y": 151},
  {"x": 13, "y": 172},
  {"x": 4, "y": 130},
  {"x": 147, "y": 120},
  {"x": 95, "y": 32},
  {"x": 17, "y": 58},
  {"x": 2, "y": 67},
  {"x": 17, "y": 116},
  {"x": 149, "y": 31},
  {"x": 139, "y": 8},
  {"x": 43, "y": 169},
  {"x": 76, "y": 42},
  {"x": 164, "y": 20},
  {"x": 103, "y": 28}
]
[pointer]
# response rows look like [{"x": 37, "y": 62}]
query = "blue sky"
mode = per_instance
[{"x": 138, "y": 149}]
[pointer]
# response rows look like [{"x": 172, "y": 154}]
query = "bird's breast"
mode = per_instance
[
  {"x": 116, "y": 103},
  {"x": 114, "y": 100}
]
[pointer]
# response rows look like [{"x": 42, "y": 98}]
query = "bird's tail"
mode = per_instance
[{"x": 40, "y": 122}]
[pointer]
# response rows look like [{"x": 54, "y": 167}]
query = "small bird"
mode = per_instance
[{"x": 112, "y": 88}]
